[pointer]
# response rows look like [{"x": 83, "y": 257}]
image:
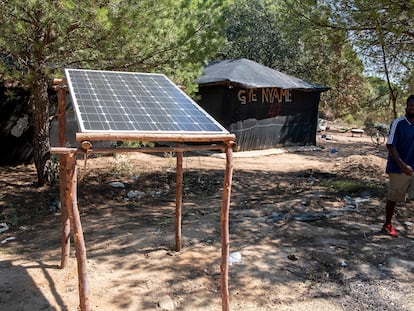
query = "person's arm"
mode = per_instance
[{"x": 407, "y": 170}]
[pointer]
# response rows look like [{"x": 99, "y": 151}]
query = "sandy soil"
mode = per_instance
[{"x": 305, "y": 224}]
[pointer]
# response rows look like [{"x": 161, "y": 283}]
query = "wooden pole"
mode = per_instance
[
  {"x": 58, "y": 150},
  {"x": 178, "y": 201},
  {"x": 80, "y": 249},
  {"x": 154, "y": 149},
  {"x": 61, "y": 93},
  {"x": 224, "y": 221},
  {"x": 93, "y": 136},
  {"x": 65, "y": 234},
  {"x": 64, "y": 215}
]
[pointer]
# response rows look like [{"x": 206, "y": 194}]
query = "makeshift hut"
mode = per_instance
[
  {"x": 16, "y": 131},
  {"x": 263, "y": 107}
]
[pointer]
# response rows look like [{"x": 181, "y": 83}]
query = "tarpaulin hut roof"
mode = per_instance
[{"x": 250, "y": 74}]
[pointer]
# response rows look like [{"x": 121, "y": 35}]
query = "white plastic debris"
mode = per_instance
[
  {"x": 135, "y": 194},
  {"x": 355, "y": 201},
  {"x": 344, "y": 264},
  {"x": 3, "y": 227},
  {"x": 8, "y": 239},
  {"x": 117, "y": 184},
  {"x": 235, "y": 257},
  {"x": 21, "y": 125},
  {"x": 166, "y": 303}
]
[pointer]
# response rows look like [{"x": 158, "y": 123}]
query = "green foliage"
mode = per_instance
[
  {"x": 380, "y": 28},
  {"x": 169, "y": 155},
  {"x": 174, "y": 37},
  {"x": 349, "y": 119},
  {"x": 254, "y": 30},
  {"x": 355, "y": 187},
  {"x": 382, "y": 32},
  {"x": 328, "y": 58},
  {"x": 40, "y": 38},
  {"x": 377, "y": 103},
  {"x": 134, "y": 144},
  {"x": 10, "y": 94},
  {"x": 282, "y": 35}
]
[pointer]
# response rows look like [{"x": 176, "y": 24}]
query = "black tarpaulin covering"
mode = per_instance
[
  {"x": 261, "y": 106},
  {"x": 16, "y": 131},
  {"x": 250, "y": 74}
]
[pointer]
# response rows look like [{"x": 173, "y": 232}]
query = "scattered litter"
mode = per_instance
[
  {"x": 166, "y": 303},
  {"x": 355, "y": 201},
  {"x": 329, "y": 137},
  {"x": 344, "y": 264},
  {"x": 8, "y": 239},
  {"x": 154, "y": 193},
  {"x": 3, "y": 227},
  {"x": 117, "y": 184},
  {"x": 334, "y": 151},
  {"x": 292, "y": 257},
  {"x": 235, "y": 257},
  {"x": 55, "y": 205},
  {"x": 277, "y": 216},
  {"x": 135, "y": 194},
  {"x": 352, "y": 206},
  {"x": 408, "y": 223},
  {"x": 310, "y": 216},
  {"x": 322, "y": 125}
]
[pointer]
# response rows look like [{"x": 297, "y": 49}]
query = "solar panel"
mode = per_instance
[{"x": 130, "y": 102}]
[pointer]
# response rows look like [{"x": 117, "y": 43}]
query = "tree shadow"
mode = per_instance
[
  {"x": 135, "y": 237},
  {"x": 19, "y": 292}
]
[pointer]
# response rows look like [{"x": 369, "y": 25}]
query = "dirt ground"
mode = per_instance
[{"x": 304, "y": 233}]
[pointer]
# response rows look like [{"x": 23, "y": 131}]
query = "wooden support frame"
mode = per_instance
[
  {"x": 225, "y": 235},
  {"x": 61, "y": 90},
  {"x": 178, "y": 201},
  {"x": 76, "y": 226},
  {"x": 68, "y": 176},
  {"x": 181, "y": 138}
]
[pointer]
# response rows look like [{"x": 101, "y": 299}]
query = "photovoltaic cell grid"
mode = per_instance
[{"x": 111, "y": 101}]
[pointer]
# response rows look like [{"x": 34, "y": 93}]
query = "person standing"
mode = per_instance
[{"x": 400, "y": 163}]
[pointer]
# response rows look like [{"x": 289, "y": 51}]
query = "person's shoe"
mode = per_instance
[{"x": 390, "y": 230}]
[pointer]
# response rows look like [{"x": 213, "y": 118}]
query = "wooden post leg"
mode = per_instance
[
  {"x": 178, "y": 201},
  {"x": 65, "y": 248},
  {"x": 224, "y": 221},
  {"x": 73, "y": 211}
]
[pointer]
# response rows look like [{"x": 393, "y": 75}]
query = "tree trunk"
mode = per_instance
[
  {"x": 41, "y": 140},
  {"x": 393, "y": 91}
]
